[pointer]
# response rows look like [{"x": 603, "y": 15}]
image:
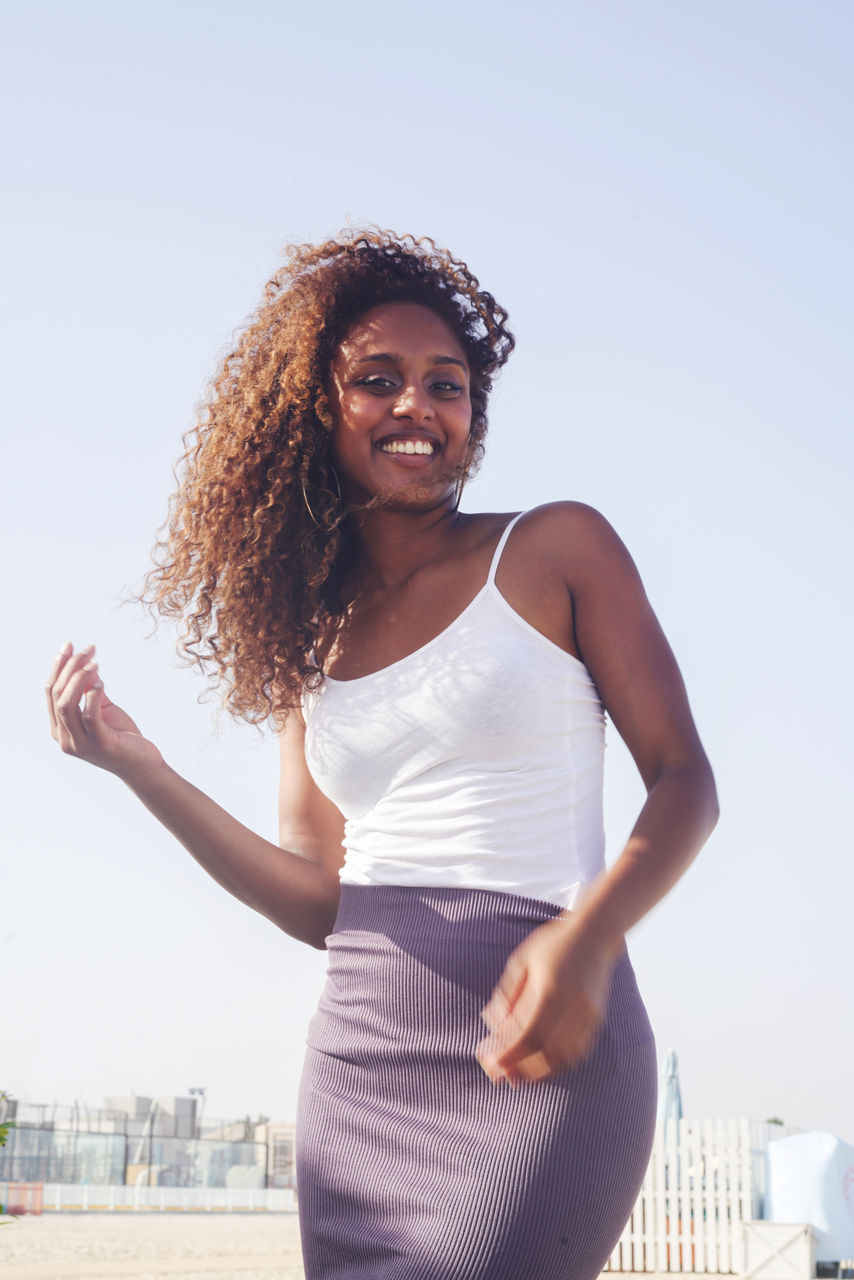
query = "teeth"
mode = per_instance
[{"x": 408, "y": 446}]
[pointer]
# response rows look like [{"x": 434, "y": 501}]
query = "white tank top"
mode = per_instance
[{"x": 474, "y": 762}]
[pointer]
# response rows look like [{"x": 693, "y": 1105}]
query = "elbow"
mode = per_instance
[
  {"x": 317, "y": 919},
  {"x": 709, "y": 791},
  {"x": 696, "y": 784},
  {"x": 318, "y": 929},
  {"x": 705, "y": 792},
  {"x": 312, "y": 933},
  {"x": 714, "y": 805}
]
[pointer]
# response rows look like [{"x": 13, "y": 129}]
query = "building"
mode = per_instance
[
  {"x": 143, "y": 1142},
  {"x": 280, "y": 1139}
]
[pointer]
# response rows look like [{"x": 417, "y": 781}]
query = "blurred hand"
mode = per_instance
[
  {"x": 549, "y": 1003},
  {"x": 86, "y": 724}
]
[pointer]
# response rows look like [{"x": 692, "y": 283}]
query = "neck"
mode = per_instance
[{"x": 394, "y": 545}]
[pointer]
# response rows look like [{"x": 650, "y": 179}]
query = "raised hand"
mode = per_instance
[
  {"x": 86, "y": 724},
  {"x": 549, "y": 1003}
]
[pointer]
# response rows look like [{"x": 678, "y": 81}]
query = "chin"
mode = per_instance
[{"x": 418, "y": 495}]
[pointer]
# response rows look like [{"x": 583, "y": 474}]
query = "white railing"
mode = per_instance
[
  {"x": 703, "y": 1182},
  {"x": 73, "y": 1198}
]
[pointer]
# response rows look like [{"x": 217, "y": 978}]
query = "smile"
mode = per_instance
[{"x": 424, "y": 447}]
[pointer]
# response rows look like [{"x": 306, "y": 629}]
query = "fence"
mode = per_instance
[
  {"x": 152, "y": 1117},
  {"x": 69, "y": 1156},
  {"x": 68, "y": 1198},
  {"x": 21, "y": 1197},
  {"x": 704, "y": 1180}
]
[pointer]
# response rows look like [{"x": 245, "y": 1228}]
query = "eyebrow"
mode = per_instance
[{"x": 390, "y": 356}]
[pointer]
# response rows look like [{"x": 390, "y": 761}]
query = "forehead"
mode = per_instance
[{"x": 402, "y": 328}]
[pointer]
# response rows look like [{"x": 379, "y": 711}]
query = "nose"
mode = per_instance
[{"x": 414, "y": 403}]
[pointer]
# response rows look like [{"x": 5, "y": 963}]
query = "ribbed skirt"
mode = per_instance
[{"x": 411, "y": 1164}]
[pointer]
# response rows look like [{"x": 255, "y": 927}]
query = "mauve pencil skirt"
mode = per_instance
[{"x": 411, "y": 1164}]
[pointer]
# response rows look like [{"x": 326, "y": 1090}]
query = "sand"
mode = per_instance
[
  {"x": 154, "y": 1246},
  {"x": 151, "y": 1246}
]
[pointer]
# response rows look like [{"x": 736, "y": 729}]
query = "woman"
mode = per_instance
[{"x": 479, "y": 1090}]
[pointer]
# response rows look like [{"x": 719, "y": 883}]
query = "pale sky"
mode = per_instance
[{"x": 662, "y": 196}]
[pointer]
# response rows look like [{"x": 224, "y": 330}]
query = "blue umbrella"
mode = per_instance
[{"x": 669, "y": 1093}]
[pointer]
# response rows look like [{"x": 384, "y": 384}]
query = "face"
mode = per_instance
[{"x": 399, "y": 393}]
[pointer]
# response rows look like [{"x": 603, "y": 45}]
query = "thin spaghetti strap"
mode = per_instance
[{"x": 501, "y": 541}]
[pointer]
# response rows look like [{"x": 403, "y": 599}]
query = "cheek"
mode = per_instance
[
  {"x": 355, "y": 413},
  {"x": 465, "y": 418},
  {"x": 352, "y": 425}
]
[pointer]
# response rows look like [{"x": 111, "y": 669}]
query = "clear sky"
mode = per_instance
[{"x": 662, "y": 195}]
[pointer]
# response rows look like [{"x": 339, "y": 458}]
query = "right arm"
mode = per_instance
[{"x": 296, "y": 887}]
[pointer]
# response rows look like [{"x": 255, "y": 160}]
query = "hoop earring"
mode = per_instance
[
  {"x": 339, "y": 496},
  {"x": 459, "y": 485}
]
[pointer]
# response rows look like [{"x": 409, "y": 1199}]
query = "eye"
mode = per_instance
[
  {"x": 378, "y": 381},
  {"x": 446, "y": 385}
]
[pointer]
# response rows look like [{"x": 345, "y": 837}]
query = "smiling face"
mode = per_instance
[{"x": 399, "y": 394}]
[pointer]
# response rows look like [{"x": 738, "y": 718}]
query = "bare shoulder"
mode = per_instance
[
  {"x": 567, "y": 516},
  {"x": 573, "y": 538},
  {"x": 553, "y": 524},
  {"x": 560, "y": 556}
]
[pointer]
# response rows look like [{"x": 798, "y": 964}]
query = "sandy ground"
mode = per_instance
[
  {"x": 155, "y": 1246},
  {"x": 151, "y": 1246}
]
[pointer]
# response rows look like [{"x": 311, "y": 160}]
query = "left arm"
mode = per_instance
[{"x": 551, "y": 998}]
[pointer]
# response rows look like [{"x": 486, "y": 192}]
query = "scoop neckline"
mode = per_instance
[
  {"x": 505, "y": 604},
  {"x": 428, "y": 644}
]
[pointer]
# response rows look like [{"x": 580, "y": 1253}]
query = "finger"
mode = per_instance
[
  {"x": 501, "y": 1036},
  {"x": 73, "y": 663},
  {"x": 518, "y": 1003},
  {"x": 485, "y": 1054},
  {"x": 507, "y": 993},
  {"x": 532, "y": 1030},
  {"x": 537, "y": 1066},
  {"x": 504, "y": 1033},
  {"x": 514, "y": 1050},
  {"x": 70, "y": 667},
  {"x": 68, "y": 697},
  {"x": 72, "y": 728},
  {"x": 93, "y": 703},
  {"x": 557, "y": 1045},
  {"x": 58, "y": 663}
]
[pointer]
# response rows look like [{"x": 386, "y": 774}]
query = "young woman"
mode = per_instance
[{"x": 478, "y": 1096}]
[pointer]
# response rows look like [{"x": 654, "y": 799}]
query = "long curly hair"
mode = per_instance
[{"x": 255, "y": 545}]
